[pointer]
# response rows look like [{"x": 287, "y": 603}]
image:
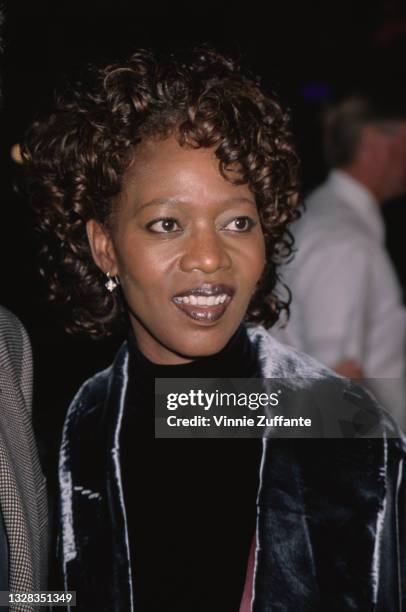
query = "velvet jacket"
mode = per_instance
[{"x": 329, "y": 512}]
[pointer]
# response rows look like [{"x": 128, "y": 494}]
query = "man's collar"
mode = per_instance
[{"x": 361, "y": 200}]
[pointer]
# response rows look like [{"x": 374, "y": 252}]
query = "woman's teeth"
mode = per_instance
[{"x": 200, "y": 300}]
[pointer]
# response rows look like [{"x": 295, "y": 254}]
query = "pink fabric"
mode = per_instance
[{"x": 245, "y": 605}]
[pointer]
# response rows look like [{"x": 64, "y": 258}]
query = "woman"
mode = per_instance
[{"x": 165, "y": 187}]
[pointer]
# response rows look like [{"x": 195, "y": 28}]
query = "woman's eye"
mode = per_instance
[
  {"x": 240, "y": 224},
  {"x": 163, "y": 226}
]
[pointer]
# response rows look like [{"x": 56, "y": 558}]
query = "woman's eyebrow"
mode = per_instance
[
  {"x": 160, "y": 201},
  {"x": 181, "y": 200}
]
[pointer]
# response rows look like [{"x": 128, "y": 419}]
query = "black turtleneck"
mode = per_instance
[{"x": 191, "y": 503}]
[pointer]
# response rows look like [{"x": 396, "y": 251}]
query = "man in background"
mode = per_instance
[
  {"x": 23, "y": 513},
  {"x": 347, "y": 307}
]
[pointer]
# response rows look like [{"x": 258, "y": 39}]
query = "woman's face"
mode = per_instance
[{"x": 188, "y": 248}]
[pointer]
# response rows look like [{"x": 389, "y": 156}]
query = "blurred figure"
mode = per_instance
[
  {"x": 23, "y": 513},
  {"x": 346, "y": 300}
]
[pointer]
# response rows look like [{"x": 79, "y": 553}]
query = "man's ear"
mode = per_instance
[
  {"x": 374, "y": 143},
  {"x": 102, "y": 247}
]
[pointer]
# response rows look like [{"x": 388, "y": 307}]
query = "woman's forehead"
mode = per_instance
[
  {"x": 164, "y": 151},
  {"x": 165, "y": 169}
]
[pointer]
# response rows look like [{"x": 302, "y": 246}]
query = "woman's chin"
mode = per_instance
[{"x": 200, "y": 346}]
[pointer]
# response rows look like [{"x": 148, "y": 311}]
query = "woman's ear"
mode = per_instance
[{"x": 102, "y": 248}]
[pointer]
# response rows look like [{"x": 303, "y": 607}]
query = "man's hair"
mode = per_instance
[
  {"x": 75, "y": 160},
  {"x": 344, "y": 122}
]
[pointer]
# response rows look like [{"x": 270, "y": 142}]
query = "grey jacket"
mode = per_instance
[{"x": 22, "y": 485}]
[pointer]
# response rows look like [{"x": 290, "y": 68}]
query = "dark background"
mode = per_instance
[{"x": 309, "y": 53}]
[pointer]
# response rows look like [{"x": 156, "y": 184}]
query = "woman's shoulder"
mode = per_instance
[
  {"x": 279, "y": 360},
  {"x": 336, "y": 395}
]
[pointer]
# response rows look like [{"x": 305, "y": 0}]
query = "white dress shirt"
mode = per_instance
[{"x": 346, "y": 299}]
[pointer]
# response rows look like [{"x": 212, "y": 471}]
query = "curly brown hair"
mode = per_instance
[{"x": 76, "y": 157}]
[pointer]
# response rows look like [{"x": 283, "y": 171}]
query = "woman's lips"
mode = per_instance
[
  {"x": 205, "y": 304},
  {"x": 204, "y": 314}
]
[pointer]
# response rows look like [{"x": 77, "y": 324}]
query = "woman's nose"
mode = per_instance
[{"x": 206, "y": 252}]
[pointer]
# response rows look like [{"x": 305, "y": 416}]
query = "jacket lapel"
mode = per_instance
[
  {"x": 122, "y": 577},
  {"x": 285, "y": 570},
  {"x": 94, "y": 529},
  {"x": 321, "y": 508}
]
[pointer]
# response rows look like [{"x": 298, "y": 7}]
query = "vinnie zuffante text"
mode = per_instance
[{"x": 260, "y": 420}]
